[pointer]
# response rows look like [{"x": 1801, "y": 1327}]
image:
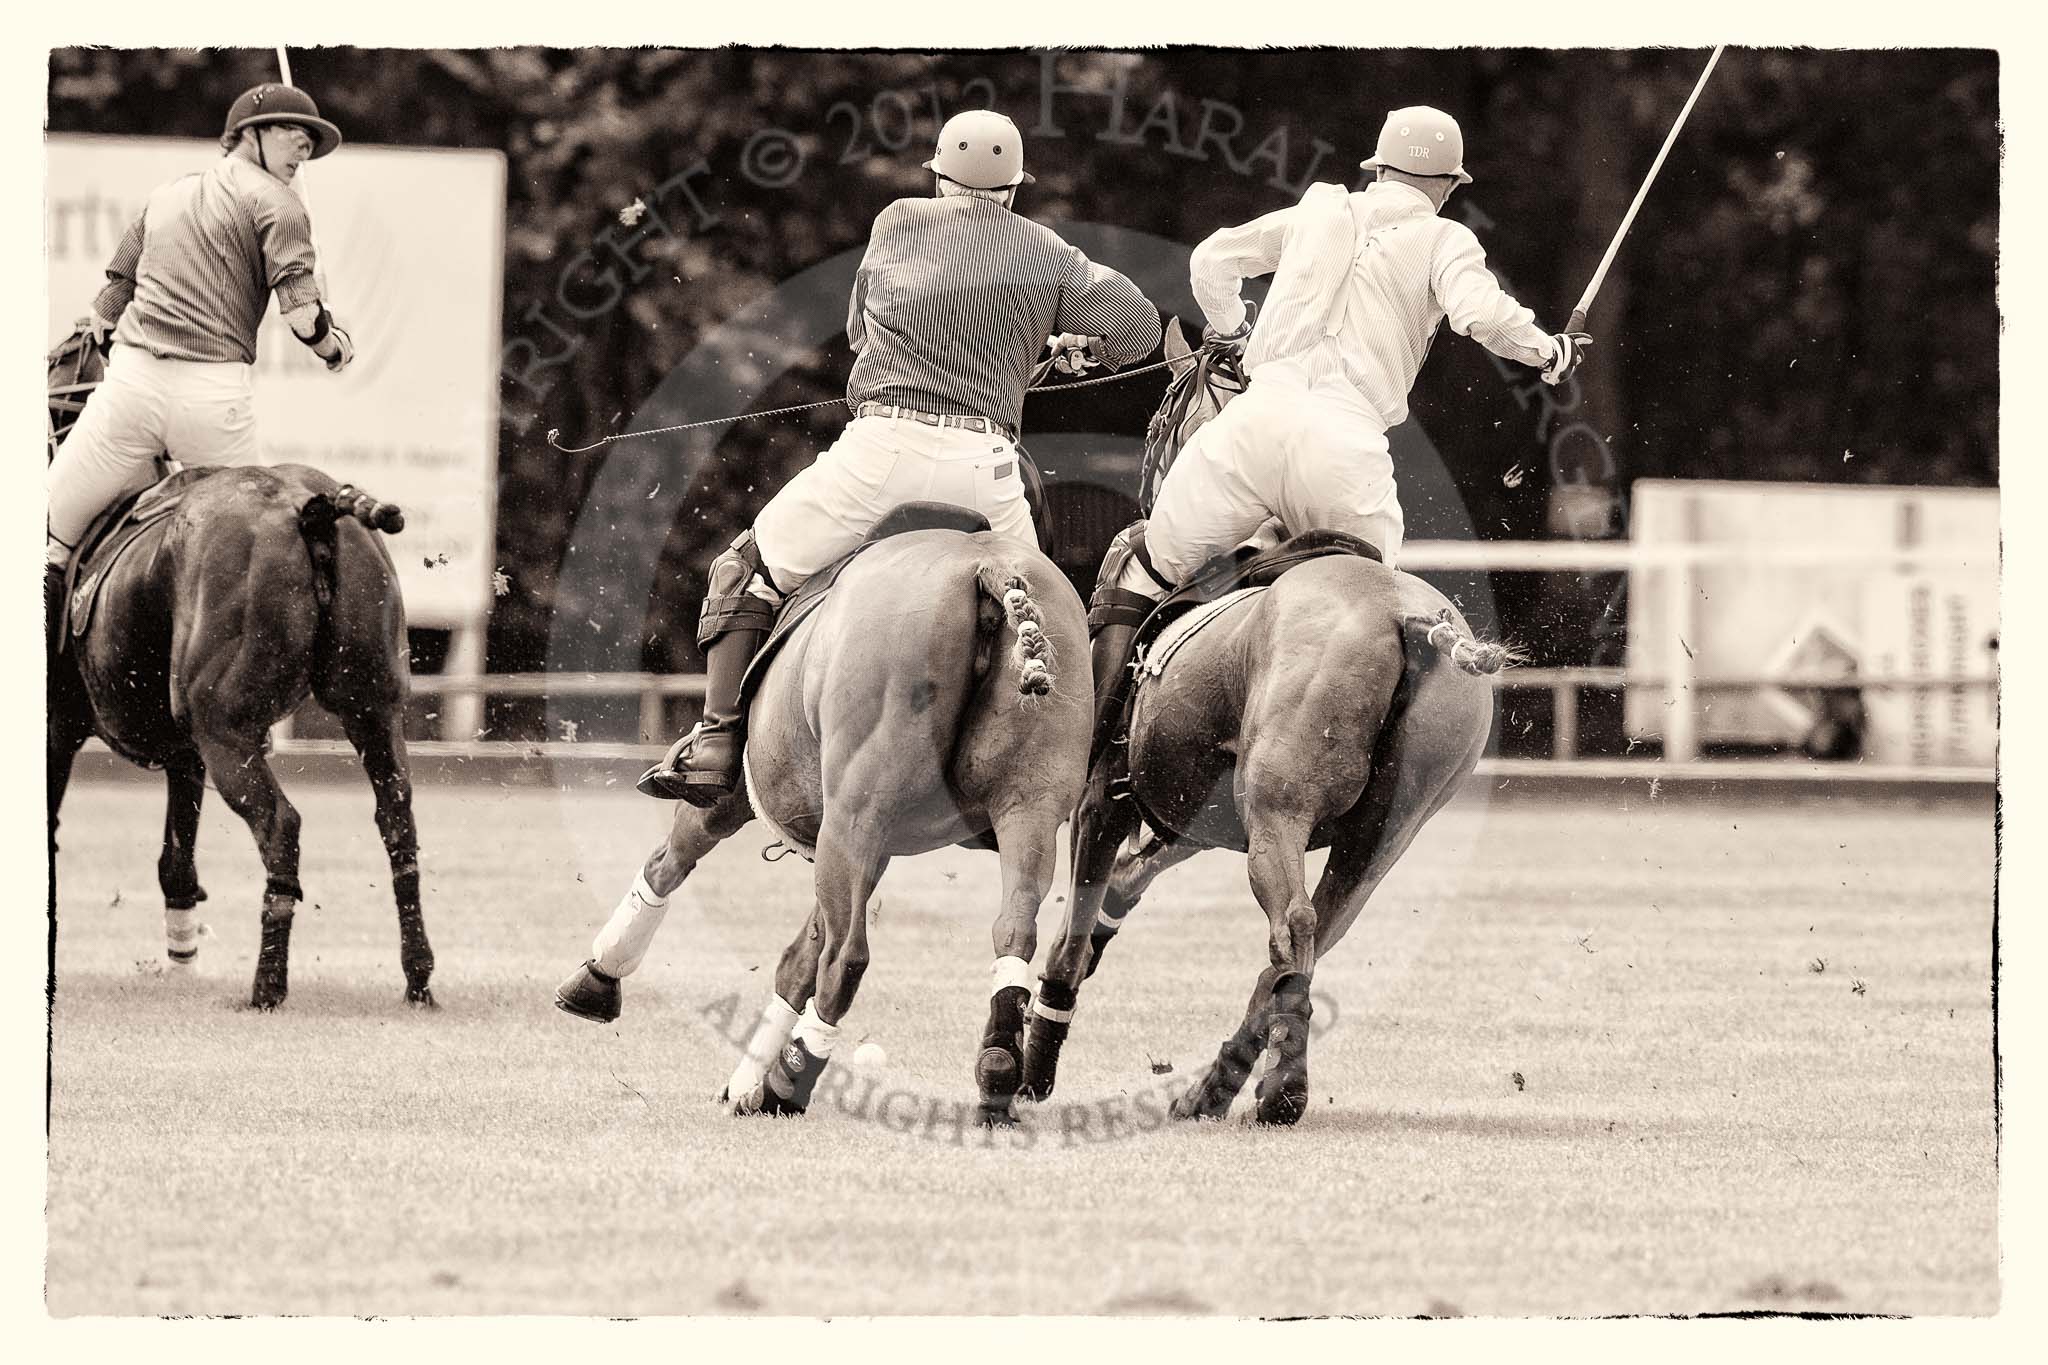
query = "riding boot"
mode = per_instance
[
  {"x": 1110, "y": 654},
  {"x": 706, "y": 765},
  {"x": 53, "y": 609}
]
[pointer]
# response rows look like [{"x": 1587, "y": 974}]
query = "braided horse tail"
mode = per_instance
[
  {"x": 1031, "y": 652},
  {"x": 1442, "y": 633}
]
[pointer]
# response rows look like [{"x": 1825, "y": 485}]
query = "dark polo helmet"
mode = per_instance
[{"x": 272, "y": 103}]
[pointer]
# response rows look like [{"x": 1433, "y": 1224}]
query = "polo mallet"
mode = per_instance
[
  {"x": 1578, "y": 318},
  {"x": 305, "y": 191}
]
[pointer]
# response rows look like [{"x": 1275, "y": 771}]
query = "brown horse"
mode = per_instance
[
  {"x": 1340, "y": 708},
  {"x": 261, "y": 586},
  {"x": 939, "y": 693}
]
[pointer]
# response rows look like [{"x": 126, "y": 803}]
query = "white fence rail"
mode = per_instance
[{"x": 1675, "y": 566}]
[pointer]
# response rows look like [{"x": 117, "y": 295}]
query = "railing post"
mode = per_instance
[
  {"x": 1564, "y": 720},
  {"x": 653, "y": 718},
  {"x": 462, "y": 713},
  {"x": 1681, "y": 729}
]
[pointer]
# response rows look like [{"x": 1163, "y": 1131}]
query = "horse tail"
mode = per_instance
[
  {"x": 1443, "y": 634},
  {"x": 351, "y": 501},
  {"x": 1032, "y": 651}
]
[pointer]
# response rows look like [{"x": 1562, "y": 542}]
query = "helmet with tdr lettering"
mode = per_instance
[
  {"x": 981, "y": 150},
  {"x": 1421, "y": 141}
]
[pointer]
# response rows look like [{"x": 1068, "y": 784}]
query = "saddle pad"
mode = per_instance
[
  {"x": 1180, "y": 632},
  {"x": 109, "y": 537}
]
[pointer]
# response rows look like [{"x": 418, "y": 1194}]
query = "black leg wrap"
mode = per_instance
[
  {"x": 1220, "y": 1084},
  {"x": 1098, "y": 939},
  {"x": 287, "y": 887},
  {"x": 1043, "y": 1039},
  {"x": 998, "y": 1071},
  {"x": 792, "y": 1080},
  {"x": 1283, "y": 1093},
  {"x": 187, "y": 900},
  {"x": 273, "y": 959}
]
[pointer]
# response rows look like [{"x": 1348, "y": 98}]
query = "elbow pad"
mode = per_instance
[{"x": 323, "y": 323}]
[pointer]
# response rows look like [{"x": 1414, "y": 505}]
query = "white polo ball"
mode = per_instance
[{"x": 869, "y": 1055}]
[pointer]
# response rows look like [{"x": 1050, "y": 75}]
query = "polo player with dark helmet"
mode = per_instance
[
  {"x": 186, "y": 291},
  {"x": 951, "y": 305},
  {"x": 949, "y": 308},
  {"x": 1361, "y": 283}
]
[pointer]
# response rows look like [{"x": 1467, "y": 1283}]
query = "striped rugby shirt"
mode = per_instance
[
  {"x": 955, "y": 298},
  {"x": 193, "y": 274},
  {"x": 1362, "y": 298}
]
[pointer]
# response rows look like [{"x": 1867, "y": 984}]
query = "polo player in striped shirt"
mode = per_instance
[
  {"x": 186, "y": 291},
  {"x": 950, "y": 308},
  {"x": 1361, "y": 284}
]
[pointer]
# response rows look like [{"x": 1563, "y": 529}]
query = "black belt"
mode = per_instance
[{"x": 986, "y": 425}]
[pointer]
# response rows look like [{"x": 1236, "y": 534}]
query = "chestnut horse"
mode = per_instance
[
  {"x": 939, "y": 693},
  {"x": 259, "y": 587},
  {"x": 1341, "y": 707}
]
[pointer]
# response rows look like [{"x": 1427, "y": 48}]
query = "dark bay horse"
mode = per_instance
[
  {"x": 939, "y": 692},
  {"x": 262, "y": 586},
  {"x": 1340, "y": 708}
]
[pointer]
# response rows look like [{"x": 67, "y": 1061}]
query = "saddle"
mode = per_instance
[
  {"x": 1247, "y": 566},
  {"x": 797, "y": 608},
  {"x": 110, "y": 536}
]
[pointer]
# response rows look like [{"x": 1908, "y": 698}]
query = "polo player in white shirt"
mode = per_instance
[{"x": 1361, "y": 283}]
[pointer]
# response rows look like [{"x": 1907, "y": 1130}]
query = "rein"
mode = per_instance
[{"x": 1037, "y": 386}]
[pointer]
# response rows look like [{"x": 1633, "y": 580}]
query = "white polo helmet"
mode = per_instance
[
  {"x": 982, "y": 150},
  {"x": 1421, "y": 141}
]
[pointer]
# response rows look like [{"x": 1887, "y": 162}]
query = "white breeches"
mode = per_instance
[
  {"x": 1308, "y": 455},
  {"x": 197, "y": 412},
  {"x": 880, "y": 463}
]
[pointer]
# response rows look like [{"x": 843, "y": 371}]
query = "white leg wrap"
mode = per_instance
[
  {"x": 626, "y": 936},
  {"x": 1045, "y": 1011},
  {"x": 1109, "y": 921},
  {"x": 817, "y": 1036},
  {"x": 1009, "y": 971},
  {"x": 181, "y": 935},
  {"x": 777, "y": 1019}
]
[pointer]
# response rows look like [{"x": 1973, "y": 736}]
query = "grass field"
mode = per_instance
[{"x": 1580, "y": 1057}]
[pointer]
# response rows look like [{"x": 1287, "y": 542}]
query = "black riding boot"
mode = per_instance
[
  {"x": 53, "y": 609},
  {"x": 1109, "y": 652},
  {"x": 709, "y": 765}
]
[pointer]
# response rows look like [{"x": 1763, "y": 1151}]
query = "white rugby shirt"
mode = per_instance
[{"x": 1362, "y": 282}]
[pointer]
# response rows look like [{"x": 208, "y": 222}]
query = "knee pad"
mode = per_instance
[
  {"x": 1127, "y": 588},
  {"x": 740, "y": 594}
]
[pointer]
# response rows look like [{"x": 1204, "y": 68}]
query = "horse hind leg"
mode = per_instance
[
  {"x": 850, "y": 864},
  {"x": 246, "y": 783},
  {"x": 1027, "y": 845},
  {"x": 177, "y": 873},
  {"x": 1278, "y": 881},
  {"x": 375, "y": 734},
  {"x": 1100, "y": 826},
  {"x": 796, "y": 981}
]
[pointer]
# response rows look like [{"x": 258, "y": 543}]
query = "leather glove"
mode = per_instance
[
  {"x": 344, "y": 350},
  {"x": 1073, "y": 353},
  {"x": 1569, "y": 355},
  {"x": 100, "y": 333}
]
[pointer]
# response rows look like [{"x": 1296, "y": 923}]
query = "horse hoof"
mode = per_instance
[
  {"x": 265, "y": 1001},
  {"x": 1282, "y": 1102},
  {"x": 997, "y": 1115},
  {"x": 995, "y": 1071},
  {"x": 589, "y": 993},
  {"x": 1281, "y": 1110},
  {"x": 1199, "y": 1104},
  {"x": 422, "y": 999}
]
